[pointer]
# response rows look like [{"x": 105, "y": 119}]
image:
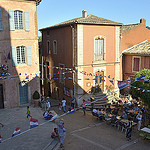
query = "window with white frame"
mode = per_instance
[
  {"x": 48, "y": 47},
  {"x": 18, "y": 20},
  {"x": 136, "y": 63},
  {"x": 99, "y": 49},
  {"x": 55, "y": 47},
  {"x": 21, "y": 55}
]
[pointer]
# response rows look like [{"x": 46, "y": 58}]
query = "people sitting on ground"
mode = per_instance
[
  {"x": 99, "y": 113},
  {"x": 47, "y": 115},
  {"x": 108, "y": 110},
  {"x": 94, "y": 112},
  {"x": 54, "y": 134},
  {"x": 124, "y": 116}
]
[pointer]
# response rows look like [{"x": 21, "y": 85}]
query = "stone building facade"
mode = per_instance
[
  {"x": 18, "y": 52},
  {"x": 80, "y": 53}
]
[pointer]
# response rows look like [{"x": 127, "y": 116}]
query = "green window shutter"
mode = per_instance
[
  {"x": 29, "y": 55},
  {"x": 27, "y": 20},
  {"x": 1, "y": 25},
  {"x": 11, "y": 19},
  {"x": 14, "y": 56}
]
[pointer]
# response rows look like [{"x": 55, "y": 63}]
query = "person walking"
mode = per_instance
[
  {"x": 64, "y": 104},
  {"x": 61, "y": 132},
  {"x": 48, "y": 105},
  {"x": 28, "y": 112}
]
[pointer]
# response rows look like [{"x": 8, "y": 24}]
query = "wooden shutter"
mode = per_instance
[
  {"x": 29, "y": 55},
  {"x": 136, "y": 64},
  {"x": 1, "y": 25},
  {"x": 11, "y": 19},
  {"x": 14, "y": 56},
  {"x": 27, "y": 20}
]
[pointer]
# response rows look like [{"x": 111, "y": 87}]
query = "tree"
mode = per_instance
[{"x": 142, "y": 87}]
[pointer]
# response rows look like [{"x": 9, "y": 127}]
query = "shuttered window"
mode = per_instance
[
  {"x": 21, "y": 55},
  {"x": 27, "y": 20},
  {"x": 136, "y": 64},
  {"x": 17, "y": 20},
  {"x": 99, "y": 49},
  {"x": 1, "y": 25}
]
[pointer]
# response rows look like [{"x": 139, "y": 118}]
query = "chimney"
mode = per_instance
[
  {"x": 84, "y": 13},
  {"x": 143, "y": 21}
]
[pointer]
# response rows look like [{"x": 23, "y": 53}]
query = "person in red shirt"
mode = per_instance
[{"x": 54, "y": 134}]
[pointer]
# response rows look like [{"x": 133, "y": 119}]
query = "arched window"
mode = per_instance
[
  {"x": 99, "y": 49},
  {"x": 18, "y": 19}
]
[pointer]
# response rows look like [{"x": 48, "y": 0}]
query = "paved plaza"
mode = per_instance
[{"x": 82, "y": 132}]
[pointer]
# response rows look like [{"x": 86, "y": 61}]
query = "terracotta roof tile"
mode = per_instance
[
  {"x": 90, "y": 19},
  {"x": 128, "y": 27},
  {"x": 139, "y": 49}
]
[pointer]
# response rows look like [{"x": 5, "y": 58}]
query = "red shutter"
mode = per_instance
[{"x": 136, "y": 64}]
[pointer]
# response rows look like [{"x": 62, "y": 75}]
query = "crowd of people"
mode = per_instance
[{"x": 127, "y": 109}]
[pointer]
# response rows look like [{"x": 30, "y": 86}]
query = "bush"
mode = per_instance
[{"x": 36, "y": 95}]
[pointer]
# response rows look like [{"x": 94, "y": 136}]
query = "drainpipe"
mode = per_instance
[{"x": 73, "y": 59}]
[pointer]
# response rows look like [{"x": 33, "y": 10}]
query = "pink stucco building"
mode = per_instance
[
  {"x": 18, "y": 52},
  {"x": 80, "y": 53},
  {"x": 134, "y": 48}
]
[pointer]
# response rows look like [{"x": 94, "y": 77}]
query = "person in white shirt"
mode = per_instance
[
  {"x": 64, "y": 105},
  {"x": 48, "y": 105},
  {"x": 139, "y": 118}
]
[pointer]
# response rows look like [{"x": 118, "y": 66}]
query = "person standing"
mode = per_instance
[
  {"x": 61, "y": 132},
  {"x": 64, "y": 104},
  {"x": 48, "y": 105},
  {"x": 139, "y": 118},
  {"x": 129, "y": 129},
  {"x": 73, "y": 102}
]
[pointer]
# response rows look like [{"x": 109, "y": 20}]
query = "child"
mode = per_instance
[
  {"x": 54, "y": 134},
  {"x": 28, "y": 112}
]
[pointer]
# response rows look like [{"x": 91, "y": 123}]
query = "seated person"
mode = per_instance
[
  {"x": 115, "y": 112},
  {"x": 94, "y": 112},
  {"x": 124, "y": 116},
  {"x": 106, "y": 117},
  {"x": 47, "y": 115},
  {"x": 54, "y": 134},
  {"x": 99, "y": 112},
  {"x": 108, "y": 109}
]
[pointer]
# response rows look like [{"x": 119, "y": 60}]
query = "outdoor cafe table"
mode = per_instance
[{"x": 126, "y": 121}]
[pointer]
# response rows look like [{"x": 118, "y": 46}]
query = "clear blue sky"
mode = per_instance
[{"x": 51, "y": 12}]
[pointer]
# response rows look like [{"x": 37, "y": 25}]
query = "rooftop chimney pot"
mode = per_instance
[
  {"x": 84, "y": 13},
  {"x": 143, "y": 21}
]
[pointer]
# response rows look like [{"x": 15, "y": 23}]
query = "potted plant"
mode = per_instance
[{"x": 36, "y": 97}]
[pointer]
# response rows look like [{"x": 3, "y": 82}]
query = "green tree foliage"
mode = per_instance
[{"x": 143, "y": 85}]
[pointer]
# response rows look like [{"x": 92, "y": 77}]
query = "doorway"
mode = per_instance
[{"x": 100, "y": 79}]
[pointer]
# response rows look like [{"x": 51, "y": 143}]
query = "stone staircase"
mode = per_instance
[{"x": 101, "y": 100}]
